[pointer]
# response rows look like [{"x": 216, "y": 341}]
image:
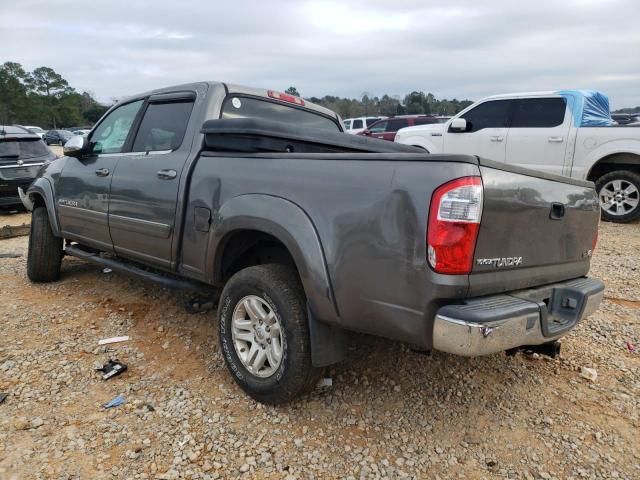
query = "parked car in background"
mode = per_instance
[
  {"x": 57, "y": 137},
  {"x": 34, "y": 129},
  {"x": 624, "y": 118},
  {"x": 308, "y": 232},
  {"x": 21, "y": 155},
  {"x": 568, "y": 132},
  {"x": 356, "y": 125},
  {"x": 386, "y": 129},
  {"x": 80, "y": 131}
]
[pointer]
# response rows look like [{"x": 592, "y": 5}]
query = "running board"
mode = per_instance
[{"x": 130, "y": 269}]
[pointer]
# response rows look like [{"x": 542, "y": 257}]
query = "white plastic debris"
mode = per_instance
[
  {"x": 106, "y": 270},
  {"x": 325, "y": 383},
  {"x": 106, "y": 341},
  {"x": 589, "y": 373}
]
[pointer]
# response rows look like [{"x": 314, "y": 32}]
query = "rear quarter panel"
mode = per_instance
[
  {"x": 596, "y": 143},
  {"x": 371, "y": 219}
]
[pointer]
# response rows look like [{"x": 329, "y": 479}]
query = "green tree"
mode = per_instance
[
  {"x": 43, "y": 97},
  {"x": 53, "y": 87},
  {"x": 13, "y": 92},
  {"x": 292, "y": 91}
]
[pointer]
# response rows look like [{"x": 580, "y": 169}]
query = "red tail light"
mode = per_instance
[
  {"x": 454, "y": 221},
  {"x": 285, "y": 97}
]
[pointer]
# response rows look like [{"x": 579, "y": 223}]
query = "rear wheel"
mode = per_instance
[
  {"x": 45, "y": 249},
  {"x": 619, "y": 194},
  {"x": 264, "y": 333}
]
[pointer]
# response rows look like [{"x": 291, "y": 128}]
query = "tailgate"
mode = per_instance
[{"x": 536, "y": 229}]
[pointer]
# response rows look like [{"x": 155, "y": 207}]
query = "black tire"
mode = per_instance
[
  {"x": 45, "y": 249},
  {"x": 280, "y": 287},
  {"x": 626, "y": 178}
]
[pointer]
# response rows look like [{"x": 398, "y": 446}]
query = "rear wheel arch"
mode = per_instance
[
  {"x": 274, "y": 229},
  {"x": 244, "y": 248},
  {"x": 613, "y": 162}
]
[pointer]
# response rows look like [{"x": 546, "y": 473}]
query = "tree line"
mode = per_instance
[
  {"x": 414, "y": 103},
  {"x": 44, "y": 98}
]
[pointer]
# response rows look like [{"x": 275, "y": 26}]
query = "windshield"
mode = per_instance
[
  {"x": 35, "y": 129},
  {"x": 22, "y": 149},
  {"x": 245, "y": 107}
]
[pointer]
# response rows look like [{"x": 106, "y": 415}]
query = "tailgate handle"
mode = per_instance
[{"x": 557, "y": 211}]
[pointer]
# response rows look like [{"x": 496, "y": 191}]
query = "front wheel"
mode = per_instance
[
  {"x": 264, "y": 333},
  {"x": 45, "y": 249},
  {"x": 619, "y": 194}
]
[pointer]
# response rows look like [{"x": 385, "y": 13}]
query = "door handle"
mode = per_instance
[
  {"x": 497, "y": 138},
  {"x": 166, "y": 174},
  {"x": 102, "y": 172},
  {"x": 555, "y": 139}
]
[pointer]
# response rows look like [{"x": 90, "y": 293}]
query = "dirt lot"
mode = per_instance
[{"x": 390, "y": 413}]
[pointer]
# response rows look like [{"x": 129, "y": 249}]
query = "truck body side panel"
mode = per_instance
[{"x": 370, "y": 218}]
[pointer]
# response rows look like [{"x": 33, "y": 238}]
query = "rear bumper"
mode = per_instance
[
  {"x": 9, "y": 195},
  {"x": 485, "y": 325}
]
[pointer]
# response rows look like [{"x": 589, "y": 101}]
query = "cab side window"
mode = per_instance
[
  {"x": 356, "y": 124},
  {"x": 396, "y": 124},
  {"x": 492, "y": 114},
  {"x": 112, "y": 133},
  {"x": 163, "y": 126},
  {"x": 539, "y": 112},
  {"x": 379, "y": 127}
]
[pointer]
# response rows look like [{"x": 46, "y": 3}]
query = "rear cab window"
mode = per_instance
[
  {"x": 396, "y": 124},
  {"x": 238, "y": 106},
  {"x": 539, "y": 112},
  {"x": 163, "y": 126},
  {"x": 379, "y": 127}
]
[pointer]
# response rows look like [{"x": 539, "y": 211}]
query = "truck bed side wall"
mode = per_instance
[{"x": 370, "y": 217}]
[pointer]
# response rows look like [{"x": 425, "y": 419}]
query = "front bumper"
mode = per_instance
[{"x": 485, "y": 325}]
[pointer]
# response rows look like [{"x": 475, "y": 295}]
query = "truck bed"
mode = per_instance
[{"x": 369, "y": 201}]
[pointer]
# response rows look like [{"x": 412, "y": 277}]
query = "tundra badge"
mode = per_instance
[{"x": 500, "y": 262}]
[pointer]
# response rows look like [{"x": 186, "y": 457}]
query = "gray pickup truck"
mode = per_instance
[{"x": 309, "y": 232}]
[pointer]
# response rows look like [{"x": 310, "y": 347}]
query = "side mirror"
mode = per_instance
[
  {"x": 366, "y": 132},
  {"x": 458, "y": 125},
  {"x": 76, "y": 146}
]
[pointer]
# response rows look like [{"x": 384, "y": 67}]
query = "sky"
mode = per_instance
[{"x": 456, "y": 48}]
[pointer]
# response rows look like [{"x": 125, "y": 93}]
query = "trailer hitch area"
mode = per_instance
[{"x": 550, "y": 349}]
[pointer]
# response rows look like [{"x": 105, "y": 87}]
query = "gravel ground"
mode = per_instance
[{"x": 390, "y": 413}]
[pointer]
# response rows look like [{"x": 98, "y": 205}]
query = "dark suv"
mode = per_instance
[
  {"x": 58, "y": 137},
  {"x": 21, "y": 155},
  {"x": 387, "y": 129}
]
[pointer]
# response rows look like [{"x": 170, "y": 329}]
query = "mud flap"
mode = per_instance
[{"x": 328, "y": 342}]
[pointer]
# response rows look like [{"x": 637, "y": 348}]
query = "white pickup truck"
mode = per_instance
[{"x": 567, "y": 132}]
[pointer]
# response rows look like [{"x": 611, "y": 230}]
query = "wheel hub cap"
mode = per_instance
[
  {"x": 619, "y": 197},
  {"x": 257, "y": 336}
]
